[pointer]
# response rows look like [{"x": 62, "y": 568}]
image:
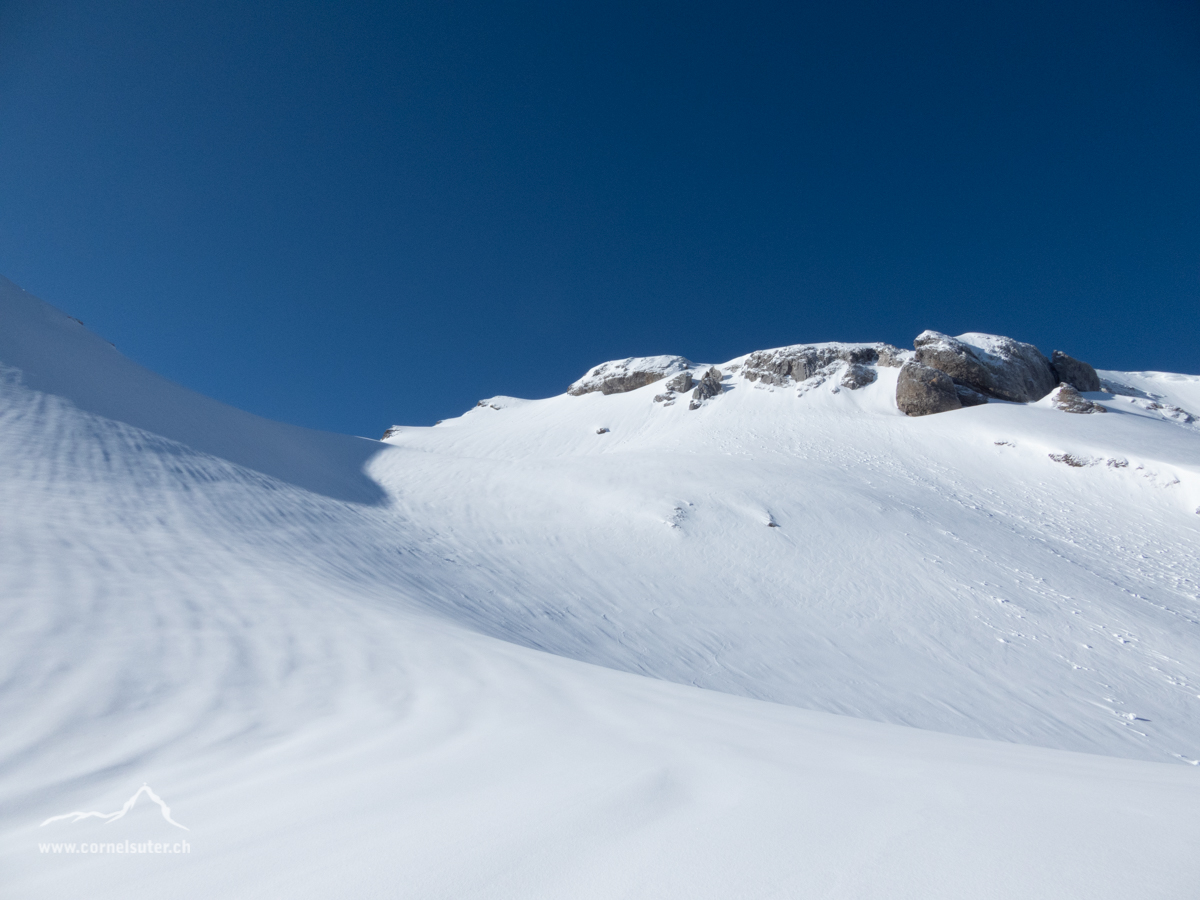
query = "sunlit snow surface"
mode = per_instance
[{"x": 292, "y": 637}]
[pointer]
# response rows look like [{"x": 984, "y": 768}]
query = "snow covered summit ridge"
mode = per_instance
[{"x": 942, "y": 373}]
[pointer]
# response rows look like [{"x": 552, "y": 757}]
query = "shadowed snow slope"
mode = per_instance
[{"x": 292, "y": 638}]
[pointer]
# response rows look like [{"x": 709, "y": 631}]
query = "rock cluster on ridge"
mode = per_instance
[
  {"x": 984, "y": 366},
  {"x": 941, "y": 374},
  {"x": 623, "y": 375},
  {"x": 801, "y": 361}
]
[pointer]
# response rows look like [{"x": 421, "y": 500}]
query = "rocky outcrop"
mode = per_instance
[
  {"x": 709, "y": 386},
  {"x": 802, "y": 361},
  {"x": 1074, "y": 372},
  {"x": 922, "y": 390},
  {"x": 1068, "y": 399},
  {"x": 857, "y": 376},
  {"x": 681, "y": 383},
  {"x": 619, "y": 376},
  {"x": 989, "y": 364}
]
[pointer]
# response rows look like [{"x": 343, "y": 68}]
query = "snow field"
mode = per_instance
[{"x": 372, "y": 672}]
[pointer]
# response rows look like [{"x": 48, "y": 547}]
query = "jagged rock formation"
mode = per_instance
[
  {"x": 1068, "y": 399},
  {"x": 802, "y": 361},
  {"x": 623, "y": 375},
  {"x": 922, "y": 390},
  {"x": 709, "y": 386},
  {"x": 989, "y": 364},
  {"x": 1074, "y": 372}
]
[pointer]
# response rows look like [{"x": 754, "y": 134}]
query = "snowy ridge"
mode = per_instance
[{"x": 263, "y": 621}]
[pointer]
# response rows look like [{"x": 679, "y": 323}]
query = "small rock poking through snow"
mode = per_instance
[{"x": 1066, "y": 398}]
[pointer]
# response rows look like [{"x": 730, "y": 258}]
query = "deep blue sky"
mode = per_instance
[{"x": 349, "y": 215}]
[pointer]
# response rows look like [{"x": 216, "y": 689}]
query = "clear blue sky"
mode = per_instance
[{"x": 347, "y": 215}]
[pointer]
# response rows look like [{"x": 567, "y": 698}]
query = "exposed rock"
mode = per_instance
[
  {"x": 989, "y": 364},
  {"x": 601, "y": 431},
  {"x": 1075, "y": 462},
  {"x": 891, "y": 357},
  {"x": 946, "y": 354},
  {"x": 619, "y": 376},
  {"x": 681, "y": 383},
  {"x": 1019, "y": 371},
  {"x": 1068, "y": 399},
  {"x": 922, "y": 390},
  {"x": 801, "y": 361},
  {"x": 391, "y": 432},
  {"x": 709, "y": 386},
  {"x": 857, "y": 376},
  {"x": 968, "y": 397},
  {"x": 1074, "y": 372}
]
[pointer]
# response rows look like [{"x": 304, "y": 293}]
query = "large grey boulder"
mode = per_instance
[
  {"x": 923, "y": 391},
  {"x": 1068, "y": 399},
  {"x": 1075, "y": 372},
  {"x": 621, "y": 375},
  {"x": 989, "y": 364}
]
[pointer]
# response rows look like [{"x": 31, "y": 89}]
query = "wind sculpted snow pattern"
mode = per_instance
[{"x": 355, "y": 668}]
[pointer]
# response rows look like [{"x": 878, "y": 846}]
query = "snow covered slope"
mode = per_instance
[
  {"x": 1006, "y": 571},
  {"x": 292, "y": 637}
]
